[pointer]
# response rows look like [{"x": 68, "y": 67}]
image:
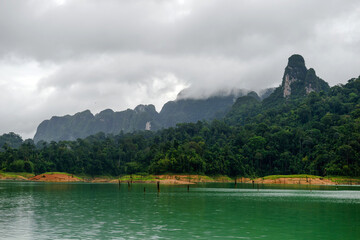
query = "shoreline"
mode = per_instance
[{"x": 184, "y": 179}]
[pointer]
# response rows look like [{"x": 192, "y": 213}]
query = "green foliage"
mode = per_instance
[
  {"x": 16, "y": 166},
  {"x": 84, "y": 123},
  {"x": 318, "y": 134},
  {"x": 10, "y": 140},
  {"x": 16, "y": 174}
]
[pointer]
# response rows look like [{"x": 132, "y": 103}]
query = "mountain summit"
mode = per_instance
[
  {"x": 143, "y": 117},
  {"x": 297, "y": 81},
  {"x": 300, "y": 81}
]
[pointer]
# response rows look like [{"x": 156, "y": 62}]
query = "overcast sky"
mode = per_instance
[{"x": 60, "y": 57}]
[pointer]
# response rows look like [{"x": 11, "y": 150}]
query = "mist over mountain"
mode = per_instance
[
  {"x": 195, "y": 93},
  {"x": 295, "y": 130},
  {"x": 143, "y": 117},
  {"x": 297, "y": 81},
  {"x": 84, "y": 123}
]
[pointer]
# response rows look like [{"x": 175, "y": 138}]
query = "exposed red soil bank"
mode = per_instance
[
  {"x": 55, "y": 178},
  {"x": 186, "y": 179}
]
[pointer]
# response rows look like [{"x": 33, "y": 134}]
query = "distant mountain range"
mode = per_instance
[
  {"x": 297, "y": 81},
  {"x": 143, "y": 117}
]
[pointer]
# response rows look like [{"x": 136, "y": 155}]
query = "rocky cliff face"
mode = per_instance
[
  {"x": 143, "y": 117},
  {"x": 84, "y": 124},
  {"x": 297, "y": 81},
  {"x": 300, "y": 81},
  {"x": 193, "y": 110}
]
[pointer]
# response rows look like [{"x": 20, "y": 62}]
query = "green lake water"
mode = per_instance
[{"x": 31, "y": 210}]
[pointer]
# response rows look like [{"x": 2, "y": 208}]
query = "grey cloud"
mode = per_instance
[
  {"x": 202, "y": 72},
  {"x": 239, "y": 28},
  {"x": 118, "y": 53}
]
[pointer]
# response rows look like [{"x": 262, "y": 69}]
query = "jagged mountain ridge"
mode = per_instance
[
  {"x": 298, "y": 81},
  {"x": 193, "y": 110},
  {"x": 143, "y": 117},
  {"x": 84, "y": 123}
]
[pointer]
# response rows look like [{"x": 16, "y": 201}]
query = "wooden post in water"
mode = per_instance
[
  {"x": 144, "y": 190},
  {"x": 119, "y": 183},
  {"x": 158, "y": 186},
  {"x": 253, "y": 182},
  {"x": 188, "y": 187}
]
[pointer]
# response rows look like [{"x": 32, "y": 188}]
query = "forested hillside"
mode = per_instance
[
  {"x": 143, "y": 117},
  {"x": 318, "y": 133}
]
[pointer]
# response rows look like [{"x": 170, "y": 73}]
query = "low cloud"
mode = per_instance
[{"x": 61, "y": 57}]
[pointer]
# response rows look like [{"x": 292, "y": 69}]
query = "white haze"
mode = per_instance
[{"x": 61, "y": 57}]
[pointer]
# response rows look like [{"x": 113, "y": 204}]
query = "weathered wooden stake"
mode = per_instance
[
  {"x": 188, "y": 188},
  {"x": 158, "y": 186},
  {"x": 144, "y": 190},
  {"x": 253, "y": 182},
  {"x": 119, "y": 183}
]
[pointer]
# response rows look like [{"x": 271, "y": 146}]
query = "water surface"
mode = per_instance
[{"x": 31, "y": 210}]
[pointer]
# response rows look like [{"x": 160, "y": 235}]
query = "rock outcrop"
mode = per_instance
[
  {"x": 143, "y": 117},
  {"x": 297, "y": 82},
  {"x": 300, "y": 81},
  {"x": 84, "y": 124}
]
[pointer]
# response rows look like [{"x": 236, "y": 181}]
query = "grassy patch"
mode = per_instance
[
  {"x": 177, "y": 176},
  {"x": 273, "y": 177},
  {"x": 205, "y": 178},
  {"x": 16, "y": 174},
  {"x": 108, "y": 177},
  {"x": 344, "y": 179},
  {"x": 222, "y": 178},
  {"x": 135, "y": 177},
  {"x": 337, "y": 179},
  {"x": 89, "y": 177}
]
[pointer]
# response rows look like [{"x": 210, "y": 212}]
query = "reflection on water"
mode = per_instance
[{"x": 208, "y": 211}]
